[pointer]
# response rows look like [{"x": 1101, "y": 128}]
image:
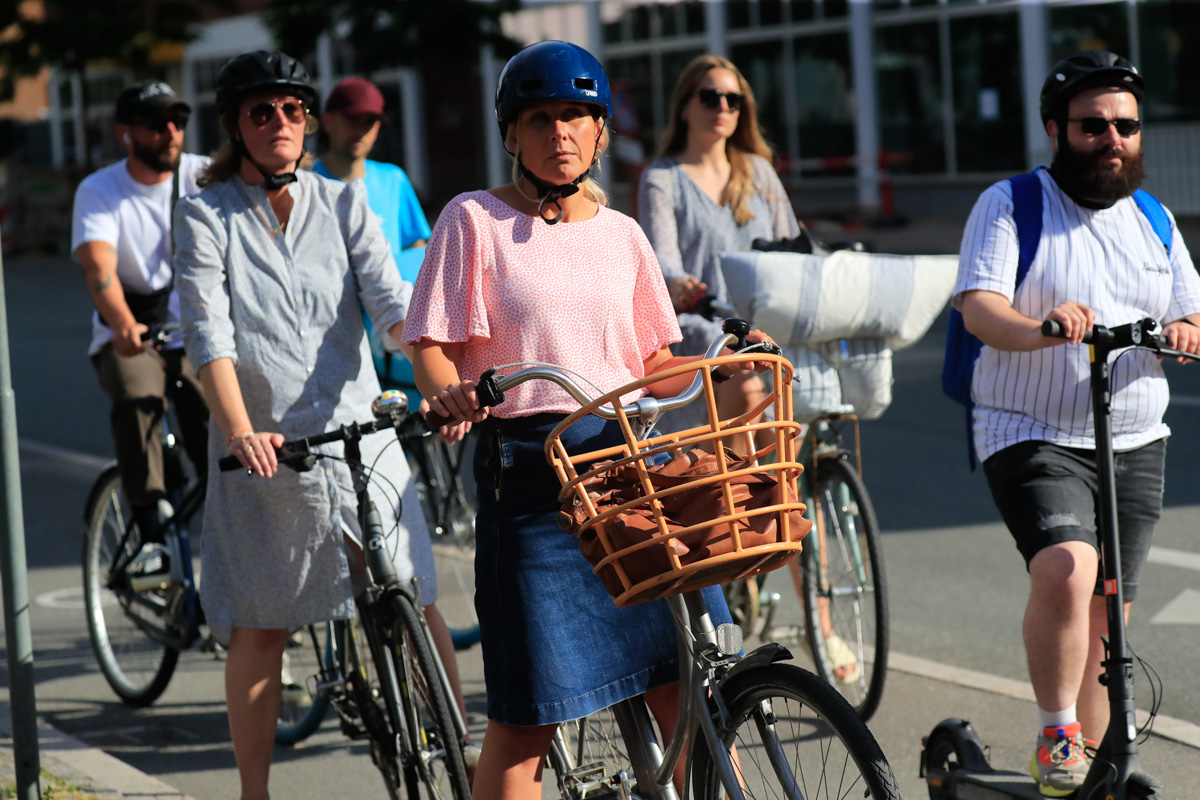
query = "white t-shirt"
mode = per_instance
[
  {"x": 112, "y": 207},
  {"x": 1109, "y": 260}
]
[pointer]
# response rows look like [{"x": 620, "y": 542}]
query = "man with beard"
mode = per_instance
[
  {"x": 1099, "y": 260},
  {"x": 121, "y": 234}
]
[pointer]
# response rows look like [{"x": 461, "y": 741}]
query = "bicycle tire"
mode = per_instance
[
  {"x": 589, "y": 755},
  {"x": 434, "y": 746},
  {"x": 136, "y": 666},
  {"x": 303, "y": 707},
  {"x": 450, "y": 514},
  {"x": 785, "y": 710},
  {"x": 857, "y": 601}
]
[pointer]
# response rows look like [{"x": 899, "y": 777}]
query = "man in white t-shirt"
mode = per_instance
[
  {"x": 1098, "y": 261},
  {"x": 121, "y": 235}
]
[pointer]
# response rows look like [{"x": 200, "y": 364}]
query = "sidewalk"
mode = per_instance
[{"x": 73, "y": 771}]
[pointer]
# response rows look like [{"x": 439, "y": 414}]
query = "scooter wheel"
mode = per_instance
[{"x": 953, "y": 745}]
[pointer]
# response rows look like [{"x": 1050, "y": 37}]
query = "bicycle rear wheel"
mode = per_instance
[
  {"x": 845, "y": 591},
  {"x": 588, "y": 756},
  {"x": 449, "y": 509},
  {"x": 795, "y": 738},
  {"x": 304, "y": 707},
  {"x": 432, "y": 745},
  {"x": 136, "y": 666}
]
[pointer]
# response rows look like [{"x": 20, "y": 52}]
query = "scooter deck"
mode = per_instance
[{"x": 998, "y": 785}]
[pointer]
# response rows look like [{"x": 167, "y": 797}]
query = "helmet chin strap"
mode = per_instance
[
  {"x": 271, "y": 182},
  {"x": 553, "y": 192}
]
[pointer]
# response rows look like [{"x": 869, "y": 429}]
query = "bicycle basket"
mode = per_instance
[{"x": 705, "y": 517}]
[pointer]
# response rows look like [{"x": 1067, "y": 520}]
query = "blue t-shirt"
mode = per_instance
[{"x": 391, "y": 196}]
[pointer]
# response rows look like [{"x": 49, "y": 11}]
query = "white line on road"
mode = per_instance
[
  {"x": 1177, "y": 730},
  {"x": 62, "y": 454},
  {"x": 1174, "y": 558}
]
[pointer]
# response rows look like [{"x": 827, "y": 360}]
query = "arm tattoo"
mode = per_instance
[{"x": 104, "y": 282}]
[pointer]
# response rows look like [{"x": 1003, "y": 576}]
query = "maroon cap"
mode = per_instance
[{"x": 355, "y": 96}]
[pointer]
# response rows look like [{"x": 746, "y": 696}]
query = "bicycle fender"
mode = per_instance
[{"x": 760, "y": 657}]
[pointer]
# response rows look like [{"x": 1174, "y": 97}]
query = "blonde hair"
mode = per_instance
[
  {"x": 227, "y": 161},
  {"x": 590, "y": 187},
  {"x": 747, "y": 139}
]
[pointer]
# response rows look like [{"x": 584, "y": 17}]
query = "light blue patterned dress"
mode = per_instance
[
  {"x": 689, "y": 231},
  {"x": 285, "y": 307}
]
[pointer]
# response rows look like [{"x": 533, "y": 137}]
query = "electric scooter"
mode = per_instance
[{"x": 954, "y": 763}]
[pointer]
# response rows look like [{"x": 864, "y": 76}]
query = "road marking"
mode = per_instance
[
  {"x": 1183, "y": 610},
  {"x": 1174, "y": 558},
  {"x": 1177, "y": 730},
  {"x": 71, "y": 598},
  {"x": 57, "y": 453}
]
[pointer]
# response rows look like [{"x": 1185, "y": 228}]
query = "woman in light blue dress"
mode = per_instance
[{"x": 712, "y": 189}]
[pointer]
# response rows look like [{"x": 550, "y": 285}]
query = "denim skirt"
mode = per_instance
[{"x": 555, "y": 648}]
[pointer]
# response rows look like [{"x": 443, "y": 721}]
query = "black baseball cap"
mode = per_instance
[{"x": 148, "y": 100}]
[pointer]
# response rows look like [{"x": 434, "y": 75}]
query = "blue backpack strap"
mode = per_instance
[
  {"x": 1027, "y": 216},
  {"x": 1157, "y": 215}
]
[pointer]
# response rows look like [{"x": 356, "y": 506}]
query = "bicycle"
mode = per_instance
[
  {"x": 738, "y": 713},
  {"x": 141, "y": 613},
  {"x": 380, "y": 671}
]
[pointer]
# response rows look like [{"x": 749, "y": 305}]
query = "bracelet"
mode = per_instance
[
  {"x": 1189, "y": 322},
  {"x": 246, "y": 432}
]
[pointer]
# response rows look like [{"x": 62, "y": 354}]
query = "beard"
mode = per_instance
[
  {"x": 1083, "y": 176},
  {"x": 158, "y": 158}
]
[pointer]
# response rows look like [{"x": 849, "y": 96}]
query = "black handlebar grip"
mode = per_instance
[
  {"x": 1052, "y": 329},
  {"x": 435, "y": 420},
  {"x": 229, "y": 464}
]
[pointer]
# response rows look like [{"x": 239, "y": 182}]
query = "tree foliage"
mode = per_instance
[
  {"x": 69, "y": 34},
  {"x": 393, "y": 33}
]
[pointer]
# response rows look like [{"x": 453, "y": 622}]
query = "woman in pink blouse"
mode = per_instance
[{"x": 541, "y": 270}]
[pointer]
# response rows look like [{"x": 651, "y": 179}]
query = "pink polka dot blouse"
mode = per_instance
[{"x": 588, "y": 296}]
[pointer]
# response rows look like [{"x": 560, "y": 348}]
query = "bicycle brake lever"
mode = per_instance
[{"x": 489, "y": 394}]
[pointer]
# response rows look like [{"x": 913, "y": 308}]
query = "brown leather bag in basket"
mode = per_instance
[{"x": 683, "y": 509}]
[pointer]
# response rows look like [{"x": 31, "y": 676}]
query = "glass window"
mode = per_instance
[
  {"x": 1170, "y": 45},
  {"x": 770, "y": 12},
  {"x": 1092, "y": 27},
  {"x": 824, "y": 101},
  {"x": 639, "y": 17},
  {"x": 909, "y": 85},
  {"x": 204, "y": 129},
  {"x": 762, "y": 64},
  {"x": 829, "y": 9},
  {"x": 737, "y": 14},
  {"x": 694, "y": 12},
  {"x": 389, "y": 146},
  {"x": 205, "y": 74},
  {"x": 989, "y": 124},
  {"x": 633, "y": 113}
]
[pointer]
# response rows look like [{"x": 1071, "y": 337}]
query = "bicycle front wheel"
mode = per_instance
[
  {"x": 136, "y": 666},
  {"x": 432, "y": 740},
  {"x": 845, "y": 591},
  {"x": 303, "y": 707},
  {"x": 449, "y": 509},
  {"x": 792, "y": 736}
]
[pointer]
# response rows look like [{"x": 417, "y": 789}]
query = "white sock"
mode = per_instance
[{"x": 1056, "y": 719}]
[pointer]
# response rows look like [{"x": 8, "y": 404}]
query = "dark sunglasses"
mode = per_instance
[
  {"x": 1098, "y": 126},
  {"x": 159, "y": 124},
  {"x": 711, "y": 98},
  {"x": 262, "y": 113}
]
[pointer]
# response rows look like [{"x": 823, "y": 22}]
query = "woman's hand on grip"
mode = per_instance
[
  {"x": 256, "y": 451},
  {"x": 459, "y": 401}
]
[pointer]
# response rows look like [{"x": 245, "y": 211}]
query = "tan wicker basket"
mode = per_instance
[{"x": 741, "y": 537}]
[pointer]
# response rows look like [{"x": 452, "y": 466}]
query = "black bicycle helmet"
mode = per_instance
[
  {"x": 548, "y": 72},
  {"x": 260, "y": 71},
  {"x": 1084, "y": 70}
]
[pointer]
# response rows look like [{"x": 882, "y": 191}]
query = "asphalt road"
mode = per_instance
[{"x": 957, "y": 584}]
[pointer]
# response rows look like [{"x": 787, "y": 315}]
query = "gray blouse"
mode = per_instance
[
  {"x": 286, "y": 307},
  {"x": 689, "y": 231}
]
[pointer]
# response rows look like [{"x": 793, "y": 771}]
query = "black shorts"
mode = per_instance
[{"x": 1049, "y": 494}]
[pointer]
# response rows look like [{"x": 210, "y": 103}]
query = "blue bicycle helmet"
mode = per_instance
[{"x": 549, "y": 71}]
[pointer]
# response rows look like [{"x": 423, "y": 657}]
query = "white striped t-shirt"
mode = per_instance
[{"x": 1109, "y": 260}]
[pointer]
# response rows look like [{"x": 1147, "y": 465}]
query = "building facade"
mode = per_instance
[{"x": 875, "y": 108}]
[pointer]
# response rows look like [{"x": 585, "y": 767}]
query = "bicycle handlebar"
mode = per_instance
[
  {"x": 491, "y": 389},
  {"x": 391, "y": 413}
]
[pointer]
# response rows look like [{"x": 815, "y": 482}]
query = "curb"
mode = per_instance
[{"x": 89, "y": 771}]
